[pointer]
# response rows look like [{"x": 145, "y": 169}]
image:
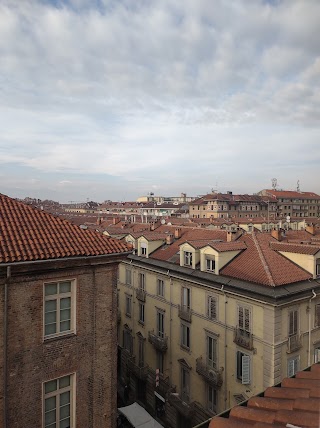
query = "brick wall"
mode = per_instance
[{"x": 90, "y": 353}]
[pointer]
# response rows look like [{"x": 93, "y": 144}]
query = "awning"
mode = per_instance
[{"x": 139, "y": 417}]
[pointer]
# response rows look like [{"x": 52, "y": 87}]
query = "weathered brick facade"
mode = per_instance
[{"x": 90, "y": 353}]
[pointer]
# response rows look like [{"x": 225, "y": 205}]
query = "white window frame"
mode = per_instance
[
  {"x": 142, "y": 281},
  {"x": 243, "y": 372},
  {"x": 185, "y": 298},
  {"x": 210, "y": 264},
  {"x": 211, "y": 351},
  {"x": 143, "y": 247},
  {"x": 160, "y": 287},
  {"x": 128, "y": 305},
  {"x": 316, "y": 353},
  {"x": 244, "y": 318},
  {"x": 294, "y": 314},
  {"x": 56, "y": 393},
  {"x": 293, "y": 365},
  {"x": 58, "y": 297},
  {"x": 212, "y": 307},
  {"x": 185, "y": 336},
  {"x": 160, "y": 324},
  {"x": 187, "y": 258}
]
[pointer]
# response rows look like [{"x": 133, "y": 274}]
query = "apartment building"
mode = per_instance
[
  {"x": 208, "y": 318},
  {"x": 294, "y": 203},
  {"x": 58, "y": 321},
  {"x": 225, "y": 205}
]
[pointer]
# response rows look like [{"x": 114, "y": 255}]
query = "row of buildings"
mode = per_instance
[{"x": 208, "y": 318}]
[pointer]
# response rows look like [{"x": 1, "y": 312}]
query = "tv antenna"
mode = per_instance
[
  {"x": 298, "y": 186},
  {"x": 274, "y": 182}
]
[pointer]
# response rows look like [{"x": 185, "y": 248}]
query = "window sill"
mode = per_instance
[
  {"x": 141, "y": 323},
  {"x": 128, "y": 315},
  {"x": 185, "y": 348},
  {"x": 58, "y": 337}
]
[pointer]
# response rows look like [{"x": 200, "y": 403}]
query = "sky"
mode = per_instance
[{"x": 113, "y": 99}]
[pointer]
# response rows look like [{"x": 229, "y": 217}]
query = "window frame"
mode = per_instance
[
  {"x": 292, "y": 370},
  {"x": 142, "y": 281},
  {"x": 141, "y": 313},
  {"x": 56, "y": 393},
  {"x": 185, "y": 383},
  {"x": 128, "y": 305},
  {"x": 246, "y": 325},
  {"x": 185, "y": 336},
  {"x": 211, "y": 298},
  {"x": 185, "y": 298},
  {"x": 294, "y": 330},
  {"x": 160, "y": 286},
  {"x": 187, "y": 258},
  {"x": 211, "y": 362},
  {"x": 243, "y": 362},
  {"x": 210, "y": 261},
  {"x": 212, "y": 404},
  {"x": 73, "y": 299},
  {"x": 128, "y": 276},
  {"x": 160, "y": 324}
]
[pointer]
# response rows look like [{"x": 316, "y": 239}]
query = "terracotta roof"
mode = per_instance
[
  {"x": 218, "y": 246},
  {"x": 259, "y": 263},
  {"x": 292, "y": 194},
  {"x": 295, "y": 402},
  {"x": 295, "y": 248},
  {"x": 28, "y": 234}
]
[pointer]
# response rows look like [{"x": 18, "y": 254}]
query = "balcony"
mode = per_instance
[
  {"x": 294, "y": 343},
  {"x": 141, "y": 372},
  {"x": 185, "y": 313},
  {"x": 160, "y": 343},
  {"x": 141, "y": 294},
  {"x": 243, "y": 338},
  {"x": 209, "y": 374},
  {"x": 186, "y": 409}
]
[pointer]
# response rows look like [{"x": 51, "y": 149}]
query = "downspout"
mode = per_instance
[
  {"x": 170, "y": 328},
  {"x": 309, "y": 338},
  {"x": 5, "y": 345},
  {"x": 225, "y": 348}
]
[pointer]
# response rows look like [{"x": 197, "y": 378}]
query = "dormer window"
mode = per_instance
[{"x": 187, "y": 258}]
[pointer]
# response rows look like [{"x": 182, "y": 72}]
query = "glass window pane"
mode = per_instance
[
  {"x": 50, "y": 386},
  {"x": 65, "y": 423},
  {"x": 64, "y": 382},
  {"x": 50, "y": 417},
  {"x": 65, "y": 326},
  {"x": 64, "y": 411},
  {"x": 50, "y": 305},
  {"x": 65, "y": 398},
  {"x": 50, "y": 329},
  {"x": 65, "y": 303},
  {"x": 65, "y": 314},
  {"x": 65, "y": 287},
  {"x": 50, "y": 289},
  {"x": 50, "y": 317},
  {"x": 50, "y": 403}
]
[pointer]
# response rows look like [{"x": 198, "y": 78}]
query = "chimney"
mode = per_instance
[
  {"x": 99, "y": 221},
  {"x": 311, "y": 229},
  {"x": 177, "y": 233},
  {"x": 276, "y": 234},
  {"x": 233, "y": 235},
  {"x": 169, "y": 239}
]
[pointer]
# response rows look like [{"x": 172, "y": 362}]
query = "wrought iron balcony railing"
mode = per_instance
[
  {"x": 184, "y": 408},
  {"x": 141, "y": 294},
  {"x": 185, "y": 313},
  {"x": 243, "y": 338},
  {"x": 294, "y": 343},
  {"x": 209, "y": 374},
  {"x": 160, "y": 343}
]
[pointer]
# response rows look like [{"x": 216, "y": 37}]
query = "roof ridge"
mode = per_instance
[{"x": 263, "y": 260}]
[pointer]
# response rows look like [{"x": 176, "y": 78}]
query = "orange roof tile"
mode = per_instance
[
  {"x": 295, "y": 248},
  {"x": 295, "y": 402},
  {"x": 28, "y": 234}
]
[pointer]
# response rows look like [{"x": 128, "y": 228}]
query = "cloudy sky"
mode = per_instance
[{"x": 112, "y": 99}]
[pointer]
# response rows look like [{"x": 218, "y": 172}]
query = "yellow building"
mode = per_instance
[{"x": 208, "y": 318}]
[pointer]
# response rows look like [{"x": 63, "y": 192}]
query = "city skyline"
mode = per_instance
[{"x": 115, "y": 99}]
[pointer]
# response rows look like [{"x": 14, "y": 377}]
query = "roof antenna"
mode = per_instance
[
  {"x": 274, "y": 182},
  {"x": 298, "y": 186}
]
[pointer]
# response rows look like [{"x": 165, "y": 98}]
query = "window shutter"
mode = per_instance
[
  {"x": 212, "y": 307},
  {"x": 291, "y": 367},
  {"x": 245, "y": 369},
  {"x": 246, "y": 319},
  {"x": 240, "y": 317}
]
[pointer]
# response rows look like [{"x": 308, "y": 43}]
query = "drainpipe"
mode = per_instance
[
  {"x": 309, "y": 347},
  {"x": 225, "y": 348},
  {"x": 5, "y": 345},
  {"x": 170, "y": 328}
]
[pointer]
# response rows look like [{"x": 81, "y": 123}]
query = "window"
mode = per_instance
[
  {"x": 185, "y": 336},
  {"x": 185, "y": 384},
  {"x": 160, "y": 324},
  {"x": 128, "y": 305},
  {"x": 211, "y": 398},
  {"x": 211, "y": 352},
  {"x": 142, "y": 281},
  {"x": 243, "y": 367},
  {"x": 317, "y": 354},
  {"x": 185, "y": 298},
  {"x": 188, "y": 258},
  {"x": 318, "y": 268},
  {"x": 244, "y": 319},
  {"x": 143, "y": 249},
  {"x": 293, "y": 322},
  {"x": 160, "y": 361},
  {"x": 141, "y": 313},
  {"x": 59, "y": 309},
  {"x": 141, "y": 352},
  {"x": 212, "y": 307},
  {"x": 317, "y": 315},
  {"x": 58, "y": 403},
  {"x": 210, "y": 264},
  {"x": 127, "y": 339},
  {"x": 293, "y": 366},
  {"x": 160, "y": 287},
  {"x": 128, "y": 276}
]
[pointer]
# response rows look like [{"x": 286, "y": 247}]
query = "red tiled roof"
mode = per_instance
[
  {"x": 28, "y": 234},
  {"x": 295, "y": 248},
  {"x": 292, "y": 194},
  {"x": 262, "y": 265},
  {"x": 296, "y": 402},
  {"x": 218, "y": 246}
]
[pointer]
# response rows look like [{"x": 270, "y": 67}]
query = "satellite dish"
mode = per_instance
[
  {"x": 163, "y": 221},
  {"x": 169, "y": 224}
]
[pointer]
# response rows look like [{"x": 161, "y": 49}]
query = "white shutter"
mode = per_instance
[
  {"x": 291, "y": 367},
  {"x": 245, "y": 369},
  {"x": 317, "y": 355}
]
